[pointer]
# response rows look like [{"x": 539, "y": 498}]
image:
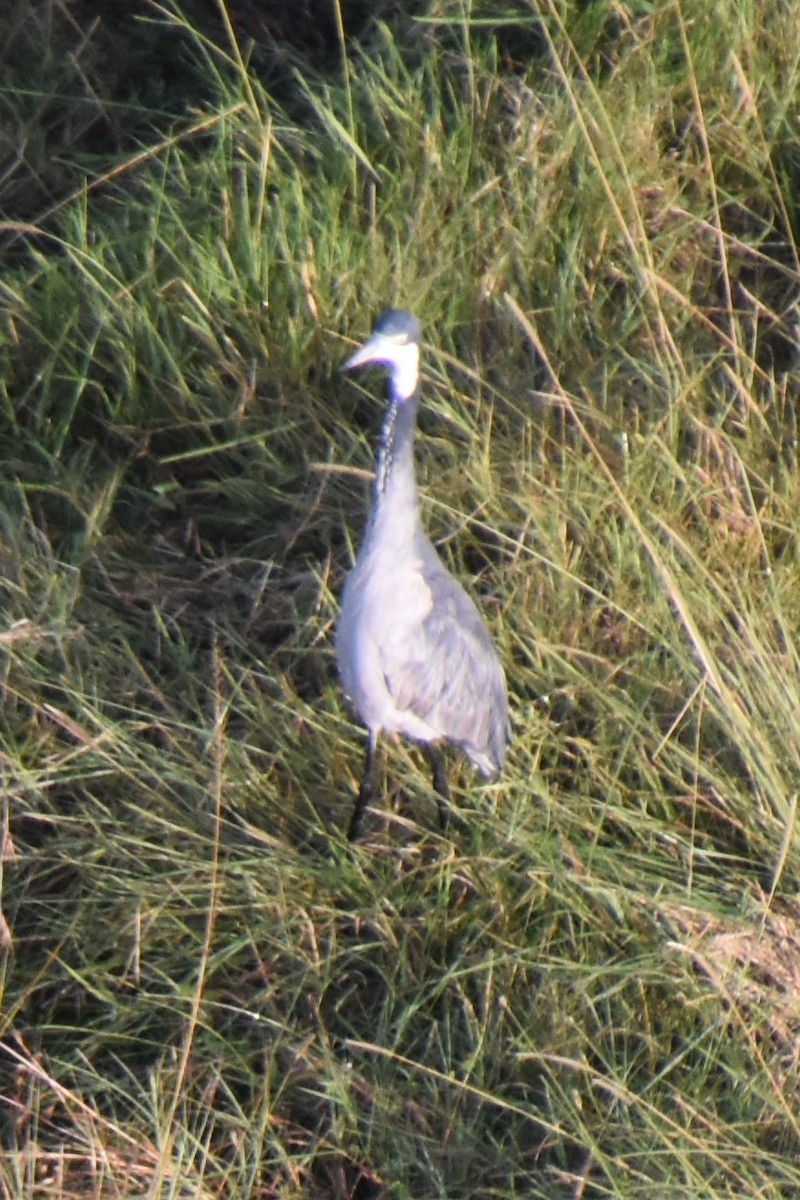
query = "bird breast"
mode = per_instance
[{"x": 385, "y": 600}]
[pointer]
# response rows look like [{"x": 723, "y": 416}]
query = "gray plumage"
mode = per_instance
[{"x": 414, "y": 654}]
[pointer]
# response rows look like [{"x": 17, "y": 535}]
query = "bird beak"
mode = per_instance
[{"x": 374, "y": 350}]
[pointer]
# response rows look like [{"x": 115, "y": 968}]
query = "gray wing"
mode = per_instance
[{"x": 450, "y": 674}]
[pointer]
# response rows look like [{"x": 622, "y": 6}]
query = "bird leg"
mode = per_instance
[
  {"x": 440, "y": 785},
  {"x": 365, "y": 790}
]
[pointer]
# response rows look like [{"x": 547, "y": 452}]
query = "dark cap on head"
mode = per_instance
[{"x": 397, "y": 322}]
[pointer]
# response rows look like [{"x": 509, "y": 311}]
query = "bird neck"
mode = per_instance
[{"x": 395, "y": 477}]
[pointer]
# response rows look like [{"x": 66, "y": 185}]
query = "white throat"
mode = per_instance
[{"x": 403, "y": 364}]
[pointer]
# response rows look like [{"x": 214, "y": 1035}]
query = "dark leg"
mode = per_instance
[
  {"x": 366, "y": 789},
  {"x": 439, "y": 783}
]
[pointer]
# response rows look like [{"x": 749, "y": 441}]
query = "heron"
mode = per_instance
[{"x": 414, "y": 655}]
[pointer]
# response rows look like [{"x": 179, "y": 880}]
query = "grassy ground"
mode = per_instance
[{"x": 590, "y": 988}]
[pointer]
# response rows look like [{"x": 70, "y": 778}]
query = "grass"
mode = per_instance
[{"x": 589, "y": 987}]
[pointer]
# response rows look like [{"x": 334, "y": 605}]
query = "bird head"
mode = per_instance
[{"x": 394, "y": 344}]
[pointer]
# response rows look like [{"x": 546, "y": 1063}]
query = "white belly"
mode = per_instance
[{"x": 381, "y": 605}]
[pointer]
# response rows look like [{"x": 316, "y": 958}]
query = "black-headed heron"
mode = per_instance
[{"x": 414, "y": 654}]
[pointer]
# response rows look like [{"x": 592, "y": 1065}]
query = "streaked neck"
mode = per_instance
[{"x": 395, "y": 477}]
